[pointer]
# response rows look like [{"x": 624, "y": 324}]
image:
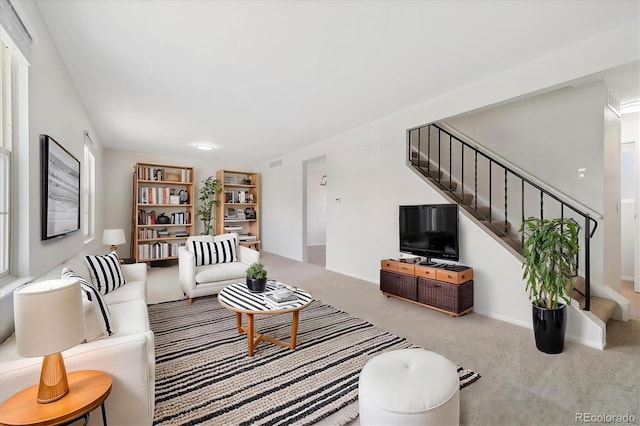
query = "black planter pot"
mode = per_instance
[
  {"x": 549, "y": 327},
  {"x": 256, "y": 285}
]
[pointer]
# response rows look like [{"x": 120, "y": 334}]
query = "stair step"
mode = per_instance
[
  {"x": 497, "y": 227},
  {"x": 483, "y": 211},
  {"x": 431, "y": 172},
  {"x": 465, "y": 198},
  {"x": 600, "y": 307},
  {"x": 514, "y": 244},
  {"x": 603, "y": 308}
]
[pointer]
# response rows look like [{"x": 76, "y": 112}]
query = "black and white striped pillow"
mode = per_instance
[
  {"x": 91, "y": 294},
  {"x": 209, "y": 253},
  {"x": 105, "y": 270}
]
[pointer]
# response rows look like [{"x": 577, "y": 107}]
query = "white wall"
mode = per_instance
[
  {"x": 54, "y": 109},
  {"x": 630, "y": 208},
  {"x": 531, "y": 132},
  {"x": 611, "y": 200},
  {"x": 369, "y": 177}
]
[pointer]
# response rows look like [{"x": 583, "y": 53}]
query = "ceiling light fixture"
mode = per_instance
[{"x": 204, "y": 146}]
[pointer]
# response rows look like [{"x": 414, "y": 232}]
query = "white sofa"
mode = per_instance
[
  {"x": 127, "y": 355},
  {"x": 205, "y": 280}
]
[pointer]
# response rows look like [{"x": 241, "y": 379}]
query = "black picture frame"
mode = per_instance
[{"x": 60, "y": 190}]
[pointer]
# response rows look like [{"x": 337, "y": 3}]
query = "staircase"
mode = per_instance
[{"x": 500, "y": 198}]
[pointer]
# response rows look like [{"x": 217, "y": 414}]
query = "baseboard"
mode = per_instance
[
  {"x": 502, "y": 318},
  {"x": 628, "y": 279}
]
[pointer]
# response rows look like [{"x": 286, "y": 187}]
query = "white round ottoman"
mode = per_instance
[{"x": 409, "y": 387}]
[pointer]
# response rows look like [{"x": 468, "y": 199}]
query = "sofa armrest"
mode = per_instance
[
  {"x": 135, "y": 271},
  {"x": 247, "y": 255},
  {"x": 129, "y": 360},
  {"x": 186, "y": 270}
]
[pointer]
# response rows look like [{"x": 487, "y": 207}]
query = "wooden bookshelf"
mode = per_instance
[
  {"x": 239, "y": 195},
  {"x": 161, "y": 191}
]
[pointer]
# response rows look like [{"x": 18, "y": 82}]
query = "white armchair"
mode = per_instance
[{"x": 197, "y": 281}]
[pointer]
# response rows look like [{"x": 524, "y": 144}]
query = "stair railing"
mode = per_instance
[{"x": 426, "y": 156}]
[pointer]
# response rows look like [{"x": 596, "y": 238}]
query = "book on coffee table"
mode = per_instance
[{"x": 275, "y": 302}]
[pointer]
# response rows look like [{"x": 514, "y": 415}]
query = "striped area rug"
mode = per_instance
[{"x": 204, "y": 376}]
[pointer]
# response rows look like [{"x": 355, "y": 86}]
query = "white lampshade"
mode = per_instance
[
  {"x": 113, "y": 237},
  {"x": 48, "y": 316}
]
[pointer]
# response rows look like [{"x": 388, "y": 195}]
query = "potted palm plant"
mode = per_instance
[
  {"x": 208, "y": 201},
  {"x": 550, "y": 252},
  {"x": 256, "y": 277}
]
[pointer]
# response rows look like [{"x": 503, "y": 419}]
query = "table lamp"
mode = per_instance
[
  {"x": 113, "y": 237},
  {"x": 48, "y": 320}
]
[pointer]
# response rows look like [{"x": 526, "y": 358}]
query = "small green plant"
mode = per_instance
[
  {"x": 208, "y": 200},
  {"x": 257, "y": 271},
  {"x": 550, "y": 250}
]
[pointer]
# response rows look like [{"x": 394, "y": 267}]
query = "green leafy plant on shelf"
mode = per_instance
[
  {"x": 550, "y": 250},
  {"x": 208, "y": 201}
]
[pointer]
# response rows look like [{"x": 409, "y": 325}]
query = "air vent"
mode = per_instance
[
  {"x": 275, "y": 163},
  {"x": 613, "y": 103}
]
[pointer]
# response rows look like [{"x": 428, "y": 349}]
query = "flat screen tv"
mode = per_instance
[
  {"x": 60, "y": 177},
  {"x": 430, "y": 231}
]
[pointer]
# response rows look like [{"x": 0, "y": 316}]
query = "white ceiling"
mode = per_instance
[{"x": 263, "y": 78}]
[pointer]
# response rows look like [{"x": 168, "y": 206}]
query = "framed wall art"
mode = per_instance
[{"x": 60, "y": 189}]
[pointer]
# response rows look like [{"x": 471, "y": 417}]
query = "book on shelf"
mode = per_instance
[
  {"x": 232, "y": 228},
  {"x": 246, "y": 237},
  {"x": 158, "y": 250},
  {"x": 159, "y": 174}
]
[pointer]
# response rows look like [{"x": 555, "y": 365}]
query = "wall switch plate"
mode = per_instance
[{"x": 582, "y": 173}]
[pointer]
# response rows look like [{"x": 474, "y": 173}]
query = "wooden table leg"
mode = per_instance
[
  {"x": 294, "y": 330},
  {"x": 239, "y": 322},
  {"x": 250, "y": 333}
]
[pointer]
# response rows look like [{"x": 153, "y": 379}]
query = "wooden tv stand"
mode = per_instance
[{"x": 435, "y": 287}]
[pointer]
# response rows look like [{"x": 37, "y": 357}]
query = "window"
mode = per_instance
[
  {"x": 15, "y": 49},
  {"x": 5, "y": 157},
  {"x": 88, "y": 190}
]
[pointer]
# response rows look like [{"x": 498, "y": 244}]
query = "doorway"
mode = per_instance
[{"x": 315, "y": 214}]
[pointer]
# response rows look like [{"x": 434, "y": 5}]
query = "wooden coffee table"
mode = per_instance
[{"x": 237, "y": 298}]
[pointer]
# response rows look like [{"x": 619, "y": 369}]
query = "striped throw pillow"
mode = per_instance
[
  {"x": 97, "y": 316},
  {"x": 209, "y": 253},
  {"x": 105, "y": 270}
]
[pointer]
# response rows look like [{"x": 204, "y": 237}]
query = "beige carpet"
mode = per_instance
[{"x": 519, "y": 384}]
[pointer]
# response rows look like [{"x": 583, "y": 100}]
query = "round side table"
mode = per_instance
[{"x": 88, "y": 390}]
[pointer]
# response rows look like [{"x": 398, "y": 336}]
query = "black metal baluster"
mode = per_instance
[
  {"x": 475, "y": 198},
  {"x": 490, "y": 192},
  {"x": 419, "y": 147},
  {"x": 587, "y": 265},
  {"x": 522, "y": 210},
  {"x": 505, "y": 201},
  {"x": 439, "y": 154},
  {"x": 429, "y": 151},
  {"x": 450, "y": 161}
]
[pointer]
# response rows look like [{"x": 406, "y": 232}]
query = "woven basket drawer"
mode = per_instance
[
  {"x": 398, "y": 284},
  {"x": 451, "y": 297}
]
